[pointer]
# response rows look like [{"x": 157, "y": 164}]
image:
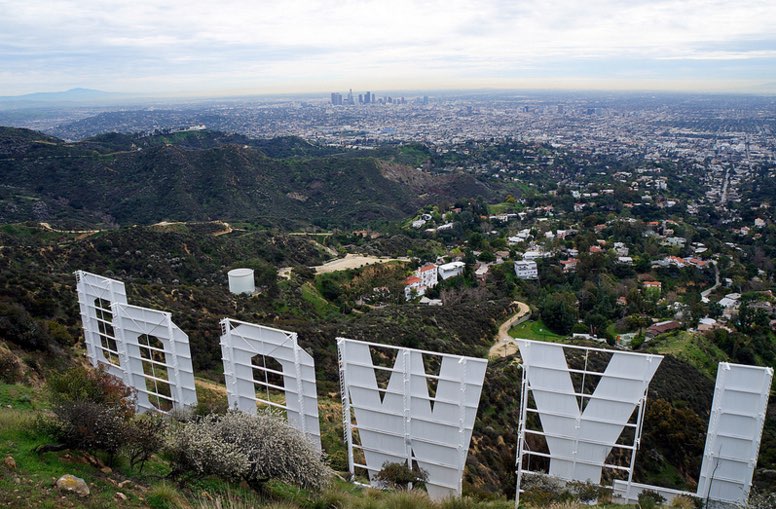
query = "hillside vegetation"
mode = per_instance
[
  {"x": 170, "y": 214},
  {"x": 182, "y": 268},
  {"x": 287, "y": 182}
]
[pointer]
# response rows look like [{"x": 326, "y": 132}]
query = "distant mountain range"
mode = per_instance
[
  {"x": 203, "y": 175},
  {"x": 74, "y": 95}
]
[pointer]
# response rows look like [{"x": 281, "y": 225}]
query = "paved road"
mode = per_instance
[
  {"x": 505, "y": 344},
  {"x": 705, "y": 293}
]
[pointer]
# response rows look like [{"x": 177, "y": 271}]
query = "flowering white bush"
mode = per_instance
[
  {"x": 252, "y": 448},
  {"x": 275, "y": 450},
  {"x": 195, "y": 448}
]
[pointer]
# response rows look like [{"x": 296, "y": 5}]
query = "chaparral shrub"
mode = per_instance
[
  {"x": 91, "y": 409},
  {"x": 195, "y": 449},
  {"x": 144, "y": 437},
  {"x": 400, "y": 476},
  {"x": 255, "y": 449}
]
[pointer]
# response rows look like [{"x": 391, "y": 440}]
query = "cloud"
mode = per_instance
[{"x": 275, "y": 44}]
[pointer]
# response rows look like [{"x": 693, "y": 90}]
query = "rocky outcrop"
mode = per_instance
[{"x": 73, "y": 484}]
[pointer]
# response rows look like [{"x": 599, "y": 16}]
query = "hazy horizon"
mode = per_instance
[{"x": 238, "y": 48}]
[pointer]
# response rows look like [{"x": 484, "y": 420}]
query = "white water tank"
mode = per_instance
[{"x": 241, "y": 281}]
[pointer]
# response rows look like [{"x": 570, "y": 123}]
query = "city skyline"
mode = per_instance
[{"x": 306, "y": 46}]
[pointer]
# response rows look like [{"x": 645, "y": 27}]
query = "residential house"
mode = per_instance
[
  {"x": 413, "y": 287},
  {"x": 526, "y": 269},
  {"x": 428, "y": 275},
  {"x": 535, "y": 255},
  {"x": 661, "y": 328},
  {"x": 569, "y": 265},
  {"x": 451, "y": 269},
  {"x": 730, "y": 304}
]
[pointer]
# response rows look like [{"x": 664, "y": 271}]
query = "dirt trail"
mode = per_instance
[
  {"x": 82, "y": 233},
  {"x": 227, "y": 229},
  {"x": 504, "y": 344}
]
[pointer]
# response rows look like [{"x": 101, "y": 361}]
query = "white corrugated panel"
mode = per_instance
[
  {"x": 580, "y": 441},
  {"x": 96, "y": 294},
  {"x": 403, "y": 423},
  {"x": 735, "y": 428},
  {"x": 240, "y": 343},
  {"x": 159, "y": 359}
]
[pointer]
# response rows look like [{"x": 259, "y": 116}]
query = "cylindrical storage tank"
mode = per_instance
[{"x": 241, "y": 281}]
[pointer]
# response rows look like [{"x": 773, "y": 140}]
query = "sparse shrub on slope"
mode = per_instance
[
  {"x": 92, "y": 410},
  {"x": 649, "y": 499},
  {"x": 144, "y": 436},
  {"x": 400, "y": 476},
  {"x": 90, "y": 426},
  {"x": 11, "y": 370},
  {"x": 542, "y": 491},
  {"x": 275, "y": 450}
]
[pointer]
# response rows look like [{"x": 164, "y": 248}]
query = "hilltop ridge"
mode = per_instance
[{"x": 202, "y": 175}]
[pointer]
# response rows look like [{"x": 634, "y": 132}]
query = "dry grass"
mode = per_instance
[
  {"x": 230, "y": 499},
  {"x": 16, "y": 420}
]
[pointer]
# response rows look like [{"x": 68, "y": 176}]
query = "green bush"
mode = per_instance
[
  {"x": 649, "y": 499},
  {"x": 80, "y": 384},
  {"x": 400, "y": 476},
  {"x": 683, "y": 502},
  {"x": 588, "y": 492}
]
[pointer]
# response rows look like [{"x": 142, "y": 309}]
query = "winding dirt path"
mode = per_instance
[
  {"x": 504, "y": 344},
  {"x": 227, "y": 229}
]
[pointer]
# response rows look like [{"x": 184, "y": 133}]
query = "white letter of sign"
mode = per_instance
[
  {"x": 96, "y": 294},
  {"x": 240, "y": 343},
  {"x": 402, "y": 426},
  {"x": 735, "y": 429},
  {"x": 159, "y": 366},
  {"x": 579, "y": 442}
]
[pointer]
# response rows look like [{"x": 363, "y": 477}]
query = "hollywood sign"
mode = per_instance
[{"x": 403, "y": 405}]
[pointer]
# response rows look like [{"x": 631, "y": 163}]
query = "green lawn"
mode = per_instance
[
  {"x": 312, "y": 296},
  {"x": 536, "y": 330},
  {"x": 695, "y": 349}
]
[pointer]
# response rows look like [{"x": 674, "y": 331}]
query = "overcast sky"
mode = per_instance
[{"x": 262, "y": 46}]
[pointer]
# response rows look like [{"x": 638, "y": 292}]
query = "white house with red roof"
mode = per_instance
[
  {"x": 428, "y": 275},
  {"x": 425, "y": 277}
]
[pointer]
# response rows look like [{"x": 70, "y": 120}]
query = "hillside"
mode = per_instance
[
  {"x": 199, "y": 175},
  {"x": 182, "y": 268}
]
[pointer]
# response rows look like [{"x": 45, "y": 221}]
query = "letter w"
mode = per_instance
[{"x": 404, "y": 425}]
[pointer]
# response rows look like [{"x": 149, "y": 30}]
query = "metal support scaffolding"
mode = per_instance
[
  {"x": 241, "y": 342},
  {"x": 580, "y": 428},
  {"x": 403, "y": 423}
]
